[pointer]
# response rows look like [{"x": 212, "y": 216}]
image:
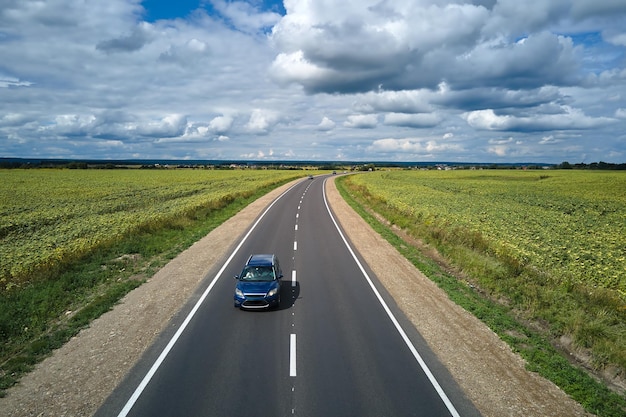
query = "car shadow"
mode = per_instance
[{"x": 289, "y": 293}]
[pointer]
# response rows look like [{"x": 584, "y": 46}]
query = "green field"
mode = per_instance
[
  {"x": 570, "y": 224},
  {"x": 51, "y": 217},
  {"x": 551, "y": 244},
  {"x": 73, "y": 242},
  {"x": 538, "y": 256}
]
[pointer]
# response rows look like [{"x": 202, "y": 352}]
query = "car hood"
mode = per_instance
[{"x": 256, "y": 286}]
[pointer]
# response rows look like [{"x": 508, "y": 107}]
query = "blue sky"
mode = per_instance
[
  {"x": 161, "y": 9},
  {"x": 392, "y": 80}
]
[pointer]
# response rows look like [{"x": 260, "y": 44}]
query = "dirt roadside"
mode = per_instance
[{"x": 78, "y": 377}]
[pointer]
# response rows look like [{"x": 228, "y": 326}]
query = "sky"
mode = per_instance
[{"x": 490, "y": 81}]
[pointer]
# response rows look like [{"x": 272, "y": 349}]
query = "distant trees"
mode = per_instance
[{"x": 594, "y": 165}]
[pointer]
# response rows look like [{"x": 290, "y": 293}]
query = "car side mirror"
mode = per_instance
[{"x": 236, "y": 277}]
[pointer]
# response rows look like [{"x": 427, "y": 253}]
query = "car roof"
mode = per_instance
[{"x": 261, "y": 260}]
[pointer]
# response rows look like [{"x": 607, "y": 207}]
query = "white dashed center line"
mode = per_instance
[{"x": 292, "y": 355}]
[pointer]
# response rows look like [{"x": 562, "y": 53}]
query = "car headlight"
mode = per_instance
[
  {"x": 238, "y": 293},
  {"x": 272, "y": 292}
]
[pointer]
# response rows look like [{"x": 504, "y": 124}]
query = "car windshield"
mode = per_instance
[{"x": 257, "y": 273}]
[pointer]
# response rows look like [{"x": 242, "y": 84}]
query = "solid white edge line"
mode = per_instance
[
  {"x": 395, "y": 322},
  {"x": 146, "y": 379},
  {"x": 292, "y": 355}
]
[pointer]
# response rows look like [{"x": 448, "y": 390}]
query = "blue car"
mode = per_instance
[{"x": 258, "y": 285}]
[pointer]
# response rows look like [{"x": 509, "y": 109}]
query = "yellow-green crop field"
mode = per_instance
[
  {"x": 49, "y": 217},
  {"x": 571, "y": 225},
  {"x": 539, "y": 256}
]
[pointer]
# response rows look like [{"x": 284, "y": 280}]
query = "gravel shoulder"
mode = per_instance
[{"x": 77, "y": 378}]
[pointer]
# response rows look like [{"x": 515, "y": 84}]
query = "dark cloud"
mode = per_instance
[
  {"x": 567, "y": 119},
  {"x": 539, "y": 60},
  {"x": 498, "y": 98},
  {"x": 139, "y": 37}
]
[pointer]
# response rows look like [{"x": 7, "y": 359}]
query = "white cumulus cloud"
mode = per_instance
[{"x": 361, "y": 121}]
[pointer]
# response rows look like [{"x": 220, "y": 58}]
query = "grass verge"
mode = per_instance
[
  {"x": 533, "y": 346},
  {"x": 43, "y": 316}
]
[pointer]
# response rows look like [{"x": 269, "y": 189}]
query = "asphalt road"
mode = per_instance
[{"x": 337, "y": 345}]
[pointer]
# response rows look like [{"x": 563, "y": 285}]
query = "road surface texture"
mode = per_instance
[{"x": 104, "y": 363}]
